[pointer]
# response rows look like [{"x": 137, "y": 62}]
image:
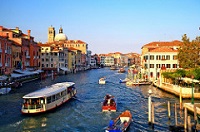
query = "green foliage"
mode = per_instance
[
  {"x": 183, "y": 73},
  {"x": 188, "y": 55}
]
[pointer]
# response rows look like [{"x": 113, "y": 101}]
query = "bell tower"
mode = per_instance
[{"x": 51, "y": 34}]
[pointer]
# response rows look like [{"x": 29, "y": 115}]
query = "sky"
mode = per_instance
[{"x": 107, "y": 26}]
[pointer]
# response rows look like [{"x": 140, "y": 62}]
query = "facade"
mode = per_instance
[
  {"x": 109, "y": 60},
  {"x": 26, "y": 58},
  {"x": 61, "y": 38},
  {"x": 78, "y": 57},
  {"x": 54, "y": 57},
  {"x": 71, "y": 60},
  {"x": 159, "y": 56},
  {"x": 5, "y": 56}
]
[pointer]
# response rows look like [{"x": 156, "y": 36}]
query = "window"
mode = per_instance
[
  {"x": 151, "y": 57},
  {"x": 174, "y": 65},
  {"x": 167, "y": 57},
  {"x": 168, "y": 66},
  {"x": 48, "y": 100},
  {"x": 163, "y": 57},
  {"x": 151, "y": 74},
  {"x": 158, "y": 57},
  {"x": 151, "y": 65},
  {"x": 174, "y": 57},
  {"x": 157, "y": 65},
  {"x": 146, "y": 66},
  {"x": 53, "y": 98}
]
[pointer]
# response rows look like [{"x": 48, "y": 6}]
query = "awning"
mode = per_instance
[
  {"x": 189, "y": 80},
  {"x": 64, "y": 68}
]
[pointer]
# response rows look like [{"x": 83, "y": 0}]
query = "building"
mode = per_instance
[
  {"x": 5, "y": 56},
  {"x": 157, "y": 56},
  {"x": 25, "y": 56}
]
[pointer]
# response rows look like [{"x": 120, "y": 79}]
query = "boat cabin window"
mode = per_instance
[
  {"x": 53, "y": 98},
  {"x": 58, "y": 96},
  {"x": 48, "y": 100},
  {"x": 34, "y": 101},
  {"x": 69, "y": 89}
]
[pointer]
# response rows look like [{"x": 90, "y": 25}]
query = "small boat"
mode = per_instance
[
  {"x": 48, "y": 98},
  {"x": 132, "y": 83},
  {"x": 121, "y": 70},
  {"x": 124, "y": 80},
  {"x": 5, "y": 90},
  {"x": 121, "y": 123},
  {"x": 102, "y": 80},
  {"x": 113, "y": 67},
  {"x": 109, "y": 104}
]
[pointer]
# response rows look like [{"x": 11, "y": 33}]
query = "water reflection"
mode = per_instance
[{"x": 33, "y": 123}]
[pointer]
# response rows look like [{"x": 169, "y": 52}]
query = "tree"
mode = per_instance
[{"x": 188, "y": 55}]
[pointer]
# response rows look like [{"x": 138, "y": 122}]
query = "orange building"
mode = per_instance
[
  {"x": 5, "y": 55},
  {"x": 28, "y": 57}
]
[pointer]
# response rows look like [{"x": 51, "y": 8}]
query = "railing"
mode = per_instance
[{"x": 32, "y": 106}]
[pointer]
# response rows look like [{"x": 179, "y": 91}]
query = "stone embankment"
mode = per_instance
[{"x": 177, "y": 90}]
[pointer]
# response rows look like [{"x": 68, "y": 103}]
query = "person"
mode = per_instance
[{"x": 111, "y": 124}]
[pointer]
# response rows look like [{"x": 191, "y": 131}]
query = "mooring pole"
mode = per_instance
[
  {"x": 169, "y": 112},
  {"x": 181, "y": 98},
  {"x": 149, "y": 107},
  {"x": 152, "y": 115},
  {"x": 175, "y": 115},
  {"x": 185, "y": 118}
]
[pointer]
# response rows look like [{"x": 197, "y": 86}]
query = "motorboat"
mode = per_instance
[
  {"x": 133, "y": 83},
  {"x": 123, "y": 80},
  {"x": 121, "y": 70},
  {"x": 109, "y": 104},
  {"x": 5, "y": 90},
  {"x": 48, "y": 98},
  {"x": 121, "y": 123},
  {"x": 102, "y": 80}
]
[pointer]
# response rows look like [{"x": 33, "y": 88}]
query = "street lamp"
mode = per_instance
[{"x": 192, "y": 90}]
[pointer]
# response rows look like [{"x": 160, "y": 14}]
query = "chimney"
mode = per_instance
[
  {"x": 1, "y": 28},
  {"x": 17, "y": 28},
  {"x": 29, "y": 33}
]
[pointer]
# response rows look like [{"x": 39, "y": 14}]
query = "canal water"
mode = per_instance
[{"x": 83, "y": 113}]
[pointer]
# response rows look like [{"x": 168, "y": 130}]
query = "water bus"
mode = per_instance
[{"x": 48, "y": 98}]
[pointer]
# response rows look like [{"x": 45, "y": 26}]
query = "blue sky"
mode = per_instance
[{"x": 106, "y": 25}]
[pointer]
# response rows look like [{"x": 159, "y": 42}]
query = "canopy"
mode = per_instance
[{"x": 190, "y": 80}]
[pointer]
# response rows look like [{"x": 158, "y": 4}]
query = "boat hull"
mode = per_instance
[
  {"x": 121, "y": 123},
  {"x": 130, "y": 83},
  {"x": 109, "y": 108}
]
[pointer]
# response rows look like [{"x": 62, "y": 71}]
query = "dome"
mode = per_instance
[{"x": 60, "y": 36}]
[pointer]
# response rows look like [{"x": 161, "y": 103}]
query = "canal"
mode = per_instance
[{"x": 83, "y": 113}]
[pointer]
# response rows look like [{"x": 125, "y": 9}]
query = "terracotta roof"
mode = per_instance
[
  {"x": 172, "y": 43},
  {"x": 72, "y": 48},
  {"x": 163, "y": 49}
]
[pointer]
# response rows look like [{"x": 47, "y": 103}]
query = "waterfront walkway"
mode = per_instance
[{"x": 184, "y": 92}]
